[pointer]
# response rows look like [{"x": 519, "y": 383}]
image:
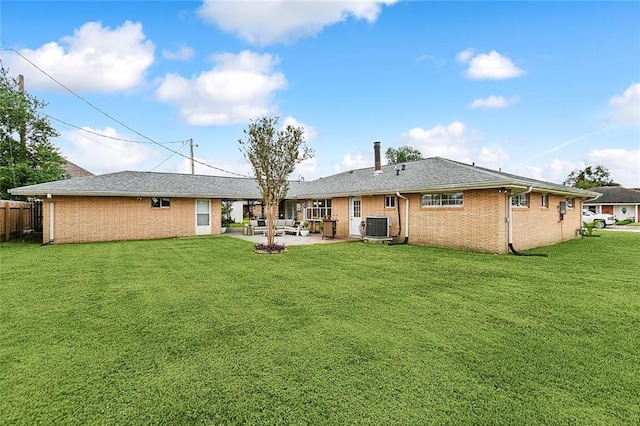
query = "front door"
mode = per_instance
[
  {"x": 355, "y": 215},
  {"x": 203, "y": 217}
]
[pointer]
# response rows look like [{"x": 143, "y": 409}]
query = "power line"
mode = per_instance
[
  {"x": 115, "y": 119},
  {"x": 107, "y": 136}
]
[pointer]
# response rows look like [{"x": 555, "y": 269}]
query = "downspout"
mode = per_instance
[
  {"x": 510, "y": 225},
  {"x": 51, "y": 218},
  {"x": 406, "y": 219}
]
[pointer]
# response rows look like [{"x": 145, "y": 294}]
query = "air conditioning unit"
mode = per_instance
[{"x": 377, "y": 226}]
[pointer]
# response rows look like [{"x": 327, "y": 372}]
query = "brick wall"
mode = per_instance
[
  {"x": 89, "y": 219},
  {"x": 479, "y": 225},
  {"x": 536, "y": 226}
]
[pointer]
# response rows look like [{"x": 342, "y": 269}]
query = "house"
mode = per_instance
[
  {"x": 623, "y": 203},
  {"x": 435, "y": 202},
  {"x": 72, "y": 170}
]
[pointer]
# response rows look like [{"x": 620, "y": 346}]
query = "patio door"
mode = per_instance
[
  {"x": 203, "y": 217},
  {"x": 355, "y": 215}
]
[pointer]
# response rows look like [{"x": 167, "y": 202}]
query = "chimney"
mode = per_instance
[{"x": 376, "y": 152}]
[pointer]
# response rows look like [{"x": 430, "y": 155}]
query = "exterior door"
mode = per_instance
[
  {"x": 355, "y": 215},
  {"x": 203, "y": 217}
]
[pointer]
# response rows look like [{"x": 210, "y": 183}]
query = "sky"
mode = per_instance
[{"x": 537, "y": 89}]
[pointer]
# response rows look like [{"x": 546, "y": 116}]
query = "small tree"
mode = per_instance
[
  {"x": 273, "y": 155},
  {"x": 27, "y": 156},
  {"x": 404, "y": 154},
  {"x": 590, "y": 177}
]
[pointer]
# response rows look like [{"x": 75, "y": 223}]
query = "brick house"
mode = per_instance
[{"x": 435, "y": 202}]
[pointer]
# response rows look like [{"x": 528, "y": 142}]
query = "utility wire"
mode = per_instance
[
  {"x": 115, "y": 119},
  {"x": 107, "y": 136}
]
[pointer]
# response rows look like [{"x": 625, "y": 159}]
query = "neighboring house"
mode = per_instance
[
  {"x": 435, "y": 202},
  {"x": 72, "y": 170},
  {"x": 623, "y": 203}
]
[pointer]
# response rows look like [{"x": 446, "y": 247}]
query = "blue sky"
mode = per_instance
[{"x": 533, "y": 88}]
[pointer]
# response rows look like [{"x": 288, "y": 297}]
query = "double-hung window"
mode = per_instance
[{"x": 452, "y": 199}]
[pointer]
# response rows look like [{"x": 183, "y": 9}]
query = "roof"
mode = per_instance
[
  {"x": 615, "y": 195},
  {"x": 74, "y": 171},
  {"x": 431, "y": 174},
  {"x": 130, "y": 183}
]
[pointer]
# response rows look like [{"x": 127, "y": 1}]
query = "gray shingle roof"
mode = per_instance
[
  {"x": 615, "y": 195},
  {"x": 431, "y": 174},
  {"x": 148, "y": 183}
]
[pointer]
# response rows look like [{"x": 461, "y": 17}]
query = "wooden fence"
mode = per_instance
[{"x": 18, "y": 218}]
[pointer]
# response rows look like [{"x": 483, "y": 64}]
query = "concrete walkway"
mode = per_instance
[{"x": 623, "y": 228}]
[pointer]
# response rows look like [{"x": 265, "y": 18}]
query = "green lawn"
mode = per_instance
[{"x": 204, "y": 331}]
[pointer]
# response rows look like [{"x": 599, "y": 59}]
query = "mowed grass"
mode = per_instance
[{"x": 204, "y": 331}]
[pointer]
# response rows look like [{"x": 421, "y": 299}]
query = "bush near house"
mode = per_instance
[{"x": 203, "y": 330}]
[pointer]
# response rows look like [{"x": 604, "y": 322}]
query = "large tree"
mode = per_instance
[
  {"x": 27, "y": 155},
  {"x": 273, "y": 155},
  {"x": 590, "y": 177},
  {"x": 404, "y": 154}
]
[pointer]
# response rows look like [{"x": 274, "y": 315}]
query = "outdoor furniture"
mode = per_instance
[
  {"x": 329, "y": 228},
  {"x": 282, "y": 226}
]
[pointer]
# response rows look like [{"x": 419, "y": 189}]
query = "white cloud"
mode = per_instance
[
  {"x": 488, "y": 66},
  {"x": 354, "y": 161},
  {"x": 95, "y": 58},
  {"x": 105, "y": 155},
  {"x": 239, "y": 87},
  {"x": 465, "y": 55},
  {"x": 623, "y": 164},
  {"x": 441, "y": 141},
  {"x": 276, "y": 21},
  {"x": 493, "y": 102},
  {"x": 626, "y": 108},
  {"x": 184, "y": 53},
  {"x": 310, "y": 132},
  {"x": 219, "y": 168},
  {"x": 492, "y": 156}
]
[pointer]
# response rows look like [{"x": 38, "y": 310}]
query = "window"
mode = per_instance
[
  {"x": 319, "y": 209},
  {"x": 389, "y": 201},
  {"x": 570, "y": 203},
  {"x": 159, "y": 202},
  {"x": 520, "y": 200},
  {"x": 544, "y": 201},
  {"x": 446, "y": 200}
]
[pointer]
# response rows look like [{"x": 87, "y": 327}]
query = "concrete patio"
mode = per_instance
[{"x": 287, "y": 239}]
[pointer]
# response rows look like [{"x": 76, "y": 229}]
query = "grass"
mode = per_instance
[{"x": 204, "y": 331}]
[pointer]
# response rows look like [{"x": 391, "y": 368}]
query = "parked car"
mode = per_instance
[{"x": 600, "y": 220}]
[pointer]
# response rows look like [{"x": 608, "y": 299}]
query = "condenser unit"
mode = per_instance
[{"x": 377, "y": 226}]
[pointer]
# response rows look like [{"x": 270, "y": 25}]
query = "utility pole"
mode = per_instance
[
  {"x": 23, "y": 138},
  {"x": 191, "y": 155}
]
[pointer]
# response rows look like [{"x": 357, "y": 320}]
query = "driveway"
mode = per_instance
[{"x": 623, "y": 228}]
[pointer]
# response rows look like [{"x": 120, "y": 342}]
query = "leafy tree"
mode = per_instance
[
  {"x": 27, "y": 156},
  {"x": 404, "y": 154},
  {"x": 590, "y": 177},
  {"x": 273, "y": 155}
]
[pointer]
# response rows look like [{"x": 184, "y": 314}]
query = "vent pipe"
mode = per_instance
[{"x": 376, "y": 152}]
